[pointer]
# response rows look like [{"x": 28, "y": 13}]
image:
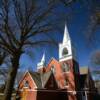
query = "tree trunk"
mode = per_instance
[{"x": 11, "y": 77}]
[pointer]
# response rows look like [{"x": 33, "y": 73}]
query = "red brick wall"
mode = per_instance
[
  {"x": 31, "y": 95},
  {"x": 27, "y": 94},
  {"x": 43, "y": 95},
  {"x": 58, "y": 74},
  {"x": 61, "y": 76},
  {"x": 27, "y": 77}
]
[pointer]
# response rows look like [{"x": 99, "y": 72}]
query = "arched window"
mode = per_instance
[
  {"x": 26, "y": 84},
  {"x": 65, "y": 52},
  {"x": 66, "y": 81},
  {"x": 53, "y": 69},
  {"x": 65, "y": 67}
]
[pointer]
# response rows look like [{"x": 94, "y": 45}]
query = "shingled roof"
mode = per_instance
[
  {"x": 40, "y": 79},
  {"x": 37, "y": 78},
  {"x": 45, "y": 77}
]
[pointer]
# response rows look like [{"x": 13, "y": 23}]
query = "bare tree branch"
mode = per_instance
[
  {"x": 95, "y": 58},
  {"x": 20, "y": 22}
]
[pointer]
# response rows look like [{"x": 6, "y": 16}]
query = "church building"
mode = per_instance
[{"x": 58, "y": 80}]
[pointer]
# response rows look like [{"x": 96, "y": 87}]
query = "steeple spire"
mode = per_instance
[
  {"x": 43, "y": 58},
  {"x": 65, "y": 48},
  {"x": 41, "y": 64},
  {"x": 66, "y": 35}
]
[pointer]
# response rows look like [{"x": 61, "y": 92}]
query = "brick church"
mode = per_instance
[{"x": 58, "y": 80}]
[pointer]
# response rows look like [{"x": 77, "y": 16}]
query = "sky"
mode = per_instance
[{"x": 76, "y": 25}]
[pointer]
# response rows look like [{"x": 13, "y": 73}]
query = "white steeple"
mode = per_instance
[
  {"x": 41, "y": 64},
  {"x": 66, "y": 35},
  {"x": 65, "y": 48},
  {"x": 43, "y": 58}
]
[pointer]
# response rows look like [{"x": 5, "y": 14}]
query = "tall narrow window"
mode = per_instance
[
  {"x": 65, "y": 67},
  {"x": 53, "y": 69},
  {"x": 66, "y": 81}
]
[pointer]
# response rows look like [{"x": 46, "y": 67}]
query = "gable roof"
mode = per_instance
[
  {"x": 37, "y": 78},
  {"x": 45, "y": 77},
  {"x": 40, "y": 78},
  {"x": 52, "y": 59}
]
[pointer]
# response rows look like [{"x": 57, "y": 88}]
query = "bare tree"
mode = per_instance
[
  {"x": 92, "y": 9},
  {"x": 3, "y": 70},
  {"x": 3, "y": 55},
  {"x": 95, "y": 58},
  {"x": 21, "y": 21},
  {"x": 95, "y": 64}
]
